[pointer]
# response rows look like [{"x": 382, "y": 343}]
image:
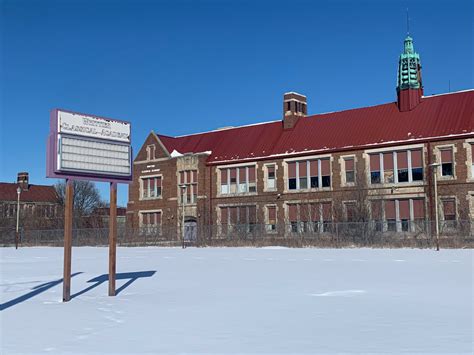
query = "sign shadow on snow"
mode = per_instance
[
  {"x": 130, "y": 276},
  {"x": 36, "y": 290}
]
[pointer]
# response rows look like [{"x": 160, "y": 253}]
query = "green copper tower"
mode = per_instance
[
  {"x": 409, "y": 83},
  {"x": 409, "y": 67}
]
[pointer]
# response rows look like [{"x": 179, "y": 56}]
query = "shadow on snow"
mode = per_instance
[
  {"x": 36, "y": 291},
  {"x": 130, "y": 276}
]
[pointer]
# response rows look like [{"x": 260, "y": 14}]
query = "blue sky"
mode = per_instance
[{"x": 181, "y": 67}]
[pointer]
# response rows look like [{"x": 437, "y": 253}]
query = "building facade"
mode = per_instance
[
  {"x": 304, "y": 172},
  {"x": 39, "y": 204}
]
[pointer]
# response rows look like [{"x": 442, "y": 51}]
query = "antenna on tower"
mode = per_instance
[{"x": 408, "y": 23}]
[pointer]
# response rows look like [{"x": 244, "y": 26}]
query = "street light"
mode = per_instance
[
  {"x": 435, "y": 172},
  {"x": 183, "y": 201},
  {"x": 18, "y": 192}
]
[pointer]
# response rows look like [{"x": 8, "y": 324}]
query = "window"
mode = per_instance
[
  {"x": 303, "y": 174},
  {"x": 151, "y": 187},
  {"x": 238, "y": 180},
  {"x": 292, "y": 176},
  {"x": 151, "y": 222},
  {"x": 349, "y": 170},
  {"x": 189, "y": 179},
  {"x": 416, "y": 165},
  {"x": 419, "y": 213},
  {"x": 449, "y": 212},
  {"x": 238, "y": 219},
  {"x": 310, "y": 217},
  {"x": 398, "y": 167},
  {"x": 403, "y": 215},
  {"x": 150, "y": 152},
  {"x": 306, "y": 174},
  {"x": 350, "y": 211},
  {"x": 388, "y": 168},
  {"x": 376, "y": 208},
  {"x": 272, "y": 218},
  {"x": 447, "y": 162},
  {"x": 271, "y": 177},
  {"x": 402, "y": 166}
]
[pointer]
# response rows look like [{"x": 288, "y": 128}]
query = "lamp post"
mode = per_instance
[
  {"x": 435, "y": 173},
  {"x": 17, "y": 237},
  {"x": 183, "y": 202}
]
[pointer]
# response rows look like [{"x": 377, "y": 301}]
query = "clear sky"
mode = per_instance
[{"x": 180, "y": 67}]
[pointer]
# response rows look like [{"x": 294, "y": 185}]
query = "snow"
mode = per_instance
[
  {"x": 175, "y": 154},
  {"x": 239, "y": 300}
]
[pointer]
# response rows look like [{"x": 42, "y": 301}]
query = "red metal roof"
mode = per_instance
[
  {"x": 436, "y": 116},
  {"x": 35, "y": 193}
]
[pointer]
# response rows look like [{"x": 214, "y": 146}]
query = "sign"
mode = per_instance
[{"x": 89, "y": 147}]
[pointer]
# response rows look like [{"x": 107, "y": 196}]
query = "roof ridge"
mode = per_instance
[
  {"x": 225, "y": 129},
  {"x": 447, "y": 93}
]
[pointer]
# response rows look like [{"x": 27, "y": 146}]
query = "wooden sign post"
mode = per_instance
[
  {"x": 112, "y": 237},
  {"x": 68, "y": 240},
  {"x": 91, "y": 148}
]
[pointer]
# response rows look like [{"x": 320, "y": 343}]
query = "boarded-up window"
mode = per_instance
[
  {"x": 374, "y": 162},
  {"x": 388, "y": 161},
  {"x": 242, "y": 175},
  {"x": 390, "y": 209},
  {"x": 404, "y": 209},
  {"x": 315, "y": 215},
  {"x": 271, "y": 214},
  {"x": 349, "y": 164},
  {"x": 447, "y": 155},
  {"x": 305, "y": 212},
  {"x": 224, "y": 215},
  {"x": 376, "y": 207},
  {"x": 302, "y": 169},
  {"x": 416, "y": 161},
  {"x": 325, "y": 168},
  {"x": 402, "y": 160},
  {"x": 327, "y": 215},
  {"x": 418, "y": 209},
  {"x": 292, "y": 213},
  {"x": 449, "y": 209},
  {"x": 224, "y": 177},
  {"x": 313, "y": 168},
  {"x": 233, "y": 215},
  {"x": 292, "y": 170}
]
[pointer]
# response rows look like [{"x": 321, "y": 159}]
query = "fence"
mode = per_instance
[{"x": 452, "y": 234}]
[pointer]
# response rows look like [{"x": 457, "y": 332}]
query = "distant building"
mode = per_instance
[
  {"x": 304, "y": 172},
  {"x": 38, "y": 203}
]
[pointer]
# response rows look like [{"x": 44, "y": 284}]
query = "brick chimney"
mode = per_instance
[
  {"x": 23, "y": 181},
  {"x": 294, "y": 107}
]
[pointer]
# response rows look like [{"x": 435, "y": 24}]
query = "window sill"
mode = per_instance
[
  {"x": 238, "y": 194},
  {"x": 309, "y": 190},
  {"x": 150, "y": 198},
  {"x": 399, "y": 184}
]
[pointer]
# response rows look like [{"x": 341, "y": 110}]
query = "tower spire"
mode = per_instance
[{"x": 408, "y": 23}]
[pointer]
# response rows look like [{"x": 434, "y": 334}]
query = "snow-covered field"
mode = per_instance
[{"x": 239, "y": 300}]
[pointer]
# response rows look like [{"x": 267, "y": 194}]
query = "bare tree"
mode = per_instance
[{"x": 86, "y": 199}]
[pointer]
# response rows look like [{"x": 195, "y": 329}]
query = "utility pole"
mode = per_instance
[
  {"x": 183, "y": 202},
  {"x": 17, "y": 235},
  {"x": 435, "y": 173}
]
